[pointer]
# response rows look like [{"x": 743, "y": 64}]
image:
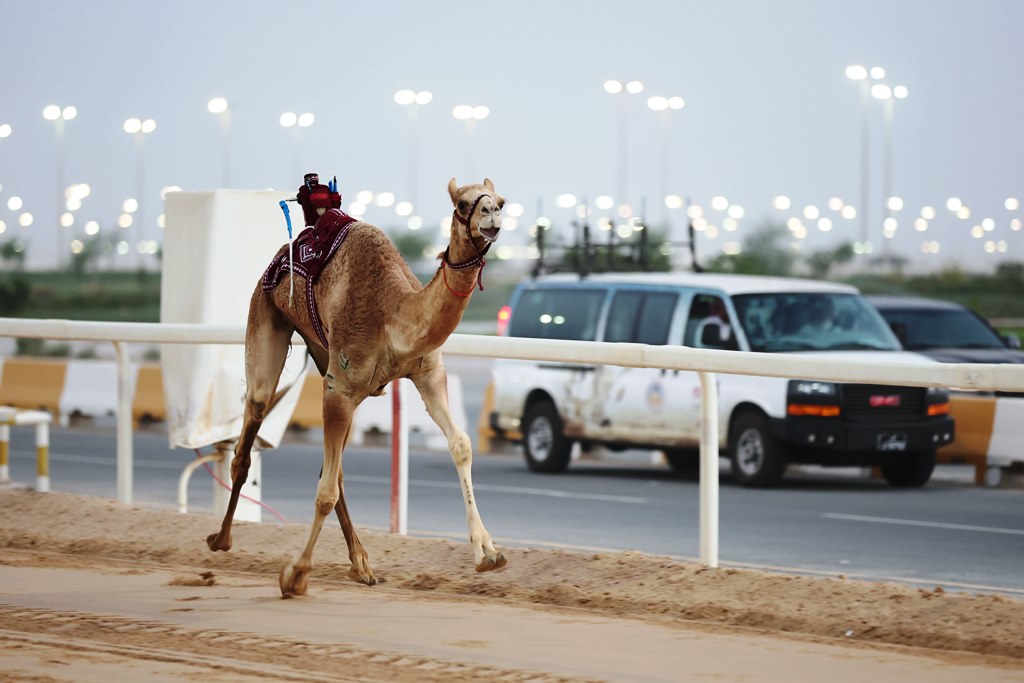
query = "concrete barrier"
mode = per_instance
[
  {"x": 33, "y": 383},
  {"x": 88, "y": 388},
  {"x": 65, "y": 388},
  {"x": 149, "y": 394},
  {"x": 989, "y": 431}
]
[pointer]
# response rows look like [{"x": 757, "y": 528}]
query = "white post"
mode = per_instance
[
  {"x": 249, "y": 508},
  {"x": 222, "y": 476},
  {"x": 399, "y": 462},
  {"x": 708, "y": 469},
  {"x": 125, "y": 398},
  {"x": 43, "y": 455},
  {"x": 5, "y": 453}
]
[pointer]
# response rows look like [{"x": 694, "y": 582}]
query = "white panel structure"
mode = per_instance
[{"x": 216, "y": 246}]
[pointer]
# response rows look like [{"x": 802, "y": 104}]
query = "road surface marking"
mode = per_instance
[
  {"x": 523, "y": 490},
  {"x": 914, "y": 522}
]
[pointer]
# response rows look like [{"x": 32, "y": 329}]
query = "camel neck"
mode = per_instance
[{"x": 430, "y": 315}]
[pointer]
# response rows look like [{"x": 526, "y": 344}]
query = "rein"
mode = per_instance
[{"x": 477, "y": 260}]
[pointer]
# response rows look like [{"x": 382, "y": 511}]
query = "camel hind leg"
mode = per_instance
[
  {"x": 337, "y": 412},
  {"x": 267, "y": 337},
  {"x": 360, "y": 570},
  {"x": 432, "y": 383}
]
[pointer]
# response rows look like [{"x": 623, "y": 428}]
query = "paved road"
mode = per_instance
[{"x": 948, "y": 533}]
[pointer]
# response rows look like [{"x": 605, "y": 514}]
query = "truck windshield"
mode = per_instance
[{"x": 812, "y": 321}]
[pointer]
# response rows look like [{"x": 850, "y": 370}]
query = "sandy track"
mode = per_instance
[{"x": 88, "y": 586}]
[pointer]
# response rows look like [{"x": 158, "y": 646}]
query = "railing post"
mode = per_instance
[
  {"x": 399, "y": 462},
  {"x": 125, "y": 398},
  {"x": 5, "y": 452},
  {"x": 708, "y": 469},
  {"x": 43, "y": 455}
]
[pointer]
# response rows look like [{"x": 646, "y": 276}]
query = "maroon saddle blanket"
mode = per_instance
[{"x": 311, "y": 251}]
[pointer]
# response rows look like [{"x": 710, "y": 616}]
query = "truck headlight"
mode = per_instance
[
  {"x": 799, "y": 387},
  {"x": 807, "y": 398}
]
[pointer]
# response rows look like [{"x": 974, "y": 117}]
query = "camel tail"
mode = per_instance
[{"x": 281, "y": 392}]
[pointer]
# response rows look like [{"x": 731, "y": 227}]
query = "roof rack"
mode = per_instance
[{"x": 587, "y": 256}]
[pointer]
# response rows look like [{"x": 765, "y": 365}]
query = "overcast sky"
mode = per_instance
[{"x": 768, "y": 109}]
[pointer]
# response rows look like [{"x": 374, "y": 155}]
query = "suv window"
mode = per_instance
[
  {"x": 640, "y": 317},
  {"x": 557, "y": 314},
  {"x": 926, "y": 328}
]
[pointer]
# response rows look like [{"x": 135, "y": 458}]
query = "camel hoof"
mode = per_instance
[
  {"x": 365, "y": 577},
  {"x": 292, "y": 581},
  {"x": 491, "y": 563},
  {"x": 214, "y": 542}
]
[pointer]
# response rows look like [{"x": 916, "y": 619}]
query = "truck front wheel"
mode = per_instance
[
  {"x": 545, "y": 446},
  {"x": 757, "y": 457}
]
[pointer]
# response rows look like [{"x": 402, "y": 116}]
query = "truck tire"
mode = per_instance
[
  {"x": 544, "y": 444},
  {"x": 757, "y": 457},
  {"x": 912, "y": 470}
]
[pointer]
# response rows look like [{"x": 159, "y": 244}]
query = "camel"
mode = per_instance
[{"x": 380, "y": 324}]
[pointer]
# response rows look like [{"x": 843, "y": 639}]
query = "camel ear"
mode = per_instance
[
  {"x": 453, "y": 189},
  {"x": 488, "y": 184}
]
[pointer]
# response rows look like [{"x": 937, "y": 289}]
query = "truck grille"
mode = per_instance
[{"x": 877, "y": 403}]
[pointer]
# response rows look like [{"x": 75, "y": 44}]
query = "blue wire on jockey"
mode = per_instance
[{"x": 291, "y": 277}]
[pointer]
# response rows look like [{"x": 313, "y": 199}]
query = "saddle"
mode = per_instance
[{"x": 313, "y": 249}]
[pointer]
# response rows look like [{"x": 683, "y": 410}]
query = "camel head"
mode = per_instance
[{"x": 478, "y": 207}]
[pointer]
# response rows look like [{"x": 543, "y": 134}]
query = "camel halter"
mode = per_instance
[{"x": 477, "y": 260}]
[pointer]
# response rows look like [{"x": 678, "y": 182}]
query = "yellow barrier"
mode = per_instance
[
  {"x": 485, "y": 432},
  {"x": 33, "y": 383},
  {"x": 149, "y": 394},
  {"x": 975, "y": 418},
  {"x": 309, "y": 413}
]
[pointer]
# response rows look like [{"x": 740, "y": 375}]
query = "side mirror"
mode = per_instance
[
  {"x": 711, "y": 337},
  {"x": 1012, "y": 340}
]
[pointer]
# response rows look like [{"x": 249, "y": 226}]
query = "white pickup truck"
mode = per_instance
[{"x": 765, "y": 422}]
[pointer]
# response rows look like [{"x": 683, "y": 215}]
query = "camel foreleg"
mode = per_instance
[{"x": 433, "y": 387}]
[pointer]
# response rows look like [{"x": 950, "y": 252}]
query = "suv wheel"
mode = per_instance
[
  {"x": 910, "y": 471},
  {"x": 757, "y": 458},
  {"x": 544, "y": 445}
]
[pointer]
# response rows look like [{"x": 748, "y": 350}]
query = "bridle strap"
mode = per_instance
[
  {"x": 444, "y": 275},
  {"x": 477, "y": 260}
]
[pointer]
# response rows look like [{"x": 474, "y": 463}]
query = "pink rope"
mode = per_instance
[{"x": 263, "y": 505}]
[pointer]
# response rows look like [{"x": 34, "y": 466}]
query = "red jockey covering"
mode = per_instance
[
  {"x": 312, "y": 196},
  {"x": 314, "y": 247}
]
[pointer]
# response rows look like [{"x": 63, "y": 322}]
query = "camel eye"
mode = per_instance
[
  {"x": 463, "y": 205},
  {"x": 501, "y": 203}
]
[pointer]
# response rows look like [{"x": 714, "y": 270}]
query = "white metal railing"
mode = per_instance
[{"x": 971, "y": 376}]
